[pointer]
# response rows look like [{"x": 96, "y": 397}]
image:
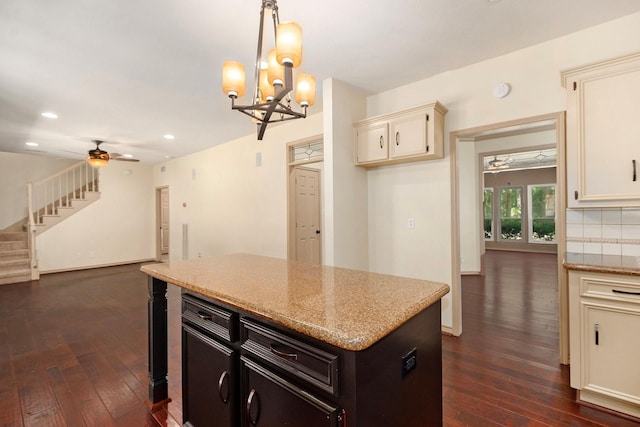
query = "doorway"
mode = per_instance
[
  {"x": 473, "y": 230},
  {"x": 162, "y": 224},
  {"x": 307, "y": 214},
  {"x": 305, "y": 163}
]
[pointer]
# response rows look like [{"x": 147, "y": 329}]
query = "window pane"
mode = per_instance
[
  {"x": 488, "y": 213},
  {"x": 543, "y": 213},
  {"x": 511, "y": 213}
]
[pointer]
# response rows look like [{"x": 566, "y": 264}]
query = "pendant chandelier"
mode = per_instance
[{"x": 273, "y": 81}]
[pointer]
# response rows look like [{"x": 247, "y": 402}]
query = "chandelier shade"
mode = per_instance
[
  {"x": 306, "y": 90},
  {"x": 289, "y": 43},
  {"x": 275, "y": 70},
  {"x": 233, "y": 78},
  {"x": 271, "y": 99}
]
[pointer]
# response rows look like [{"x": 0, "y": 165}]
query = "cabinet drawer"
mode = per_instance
[
  {"x": 209, "y": 317},
  {"x": 307, "y": 363},
  {"x": 271, "y": 400},
  {"x": 608, "y": 289}
]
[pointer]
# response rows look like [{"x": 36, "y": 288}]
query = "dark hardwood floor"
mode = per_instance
[{"x": 74, "y": 352}]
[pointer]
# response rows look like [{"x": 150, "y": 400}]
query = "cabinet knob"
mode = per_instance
[{"x": 253, "y": 397}]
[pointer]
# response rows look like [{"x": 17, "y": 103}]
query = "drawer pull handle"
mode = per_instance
[
  {"x": 617, "y": 291},
  {"x": 253, "y": 396},
  {"x": 634, "y": 170},
  {"x": 205, "y": 316},
  {"x": 221, "y": 383},
  {"x": 284, "y": 352},
  {"x": 397, "y": 138},
  {"x": 596, "y": 327},
  {"x": 381, "y": 140}
]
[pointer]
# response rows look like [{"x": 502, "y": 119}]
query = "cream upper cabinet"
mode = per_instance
[
  {"x": 405, "y": 136},
  {"x": 372, "y": 142},
  {"x": 603, "y": 133},
  {"x": 604, "y": 314}
]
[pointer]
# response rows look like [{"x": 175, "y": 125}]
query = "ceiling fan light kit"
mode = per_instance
[
  {"x": 98, "y": 158},
  {"x": 273, "y": 79}
]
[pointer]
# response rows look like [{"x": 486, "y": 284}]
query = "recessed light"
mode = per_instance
[
  {"x": 128, "y": 155},
  {"x": 31, "y": 144},
  {"x": 169, "y": 136},
  {"x": 49, "y": 115}
]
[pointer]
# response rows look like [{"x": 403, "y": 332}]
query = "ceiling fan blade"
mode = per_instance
[{"x": 124, "y": 159}]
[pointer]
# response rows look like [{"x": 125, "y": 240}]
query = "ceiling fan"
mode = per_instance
[{"x": 98, "y": 157}]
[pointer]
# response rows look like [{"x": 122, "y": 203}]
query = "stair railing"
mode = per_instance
[
  {"x": 60, "y": 189},
  {"x": 44, "y": 197}
]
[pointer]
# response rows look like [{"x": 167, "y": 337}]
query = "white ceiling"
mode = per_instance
[{"x": 131, "y": 71}]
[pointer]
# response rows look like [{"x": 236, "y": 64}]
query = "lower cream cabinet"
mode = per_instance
[{"x": 604, "y": 314}]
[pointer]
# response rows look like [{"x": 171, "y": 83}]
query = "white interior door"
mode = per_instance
[{"x": 307, "y": 211}]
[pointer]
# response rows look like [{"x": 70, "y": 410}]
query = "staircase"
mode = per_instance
[
  {"x": 59, "y": 196},
  {"x": 51, "y": 201},
  {"x": 14, "y": 257}
]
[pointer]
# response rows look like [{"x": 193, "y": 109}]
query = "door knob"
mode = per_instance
[{"x": 317, "y": 231}]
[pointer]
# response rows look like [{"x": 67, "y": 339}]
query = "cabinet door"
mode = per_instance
[
  {"x": 209, "y": 381},
  {"x": 611, "y": 352},
  {"x": 603, "y": 135},
  {"x": 409, "y": 136},
  {"x": 372, "y": 143},
  {"x": 271, "y": 401}
]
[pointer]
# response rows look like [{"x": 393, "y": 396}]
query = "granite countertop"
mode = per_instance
[
  {"x": 350, "y": 309},
  {"x": 618, "y": 264}
]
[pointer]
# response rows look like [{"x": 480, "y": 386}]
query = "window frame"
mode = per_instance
[
  {"x": 530, "y": 218},
  {"x": 522, "y": 216}
]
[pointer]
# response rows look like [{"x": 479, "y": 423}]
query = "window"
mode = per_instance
[
  {"x": 510, "y": 213},
  {"x": 487, "y": 205},
  {"x": 542, "y": 213}
]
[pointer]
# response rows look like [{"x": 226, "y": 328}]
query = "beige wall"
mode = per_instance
[
  {"x": 228, "y": 203},
  {"x": 15, "y": 171},
  {"x": 118, "y": 228},
  {"x": 423, "y": 190}
]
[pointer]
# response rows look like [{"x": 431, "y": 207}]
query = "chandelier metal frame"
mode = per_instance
[{"x": 280, "y": 105}]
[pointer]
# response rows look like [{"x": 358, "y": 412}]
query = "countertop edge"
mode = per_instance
[
  {"x": 601, "y": 269},
  {"x": 319, "y": 333}
]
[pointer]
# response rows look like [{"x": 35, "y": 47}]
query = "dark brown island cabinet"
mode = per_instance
[{"x": 269, "y": 342}]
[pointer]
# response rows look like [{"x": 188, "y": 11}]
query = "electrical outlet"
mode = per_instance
[
  {"x": 411, "y": 223},
  {"x": 409, "y": 362}
]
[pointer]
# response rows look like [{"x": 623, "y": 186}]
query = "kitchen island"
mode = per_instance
[{"x": 268, "y": 342}]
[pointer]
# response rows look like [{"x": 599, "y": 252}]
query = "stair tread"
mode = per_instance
[{"x": 15, "y": 272}]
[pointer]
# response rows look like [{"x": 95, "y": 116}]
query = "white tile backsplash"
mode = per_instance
[
  {"x": 593, "y": 231},
  {"x": 611, "y": 216},
  {"x": 575, "y": 247},
  {"x": 593, "y": 216},
  {"x": 610, "y": 231},
  {"x": 575, "y": 230},
  {"x": 575, "y": 216},
  {"x": 630, "y": 231},
  {"x": 630, "y": 216},
  {"x": 592, "y": 248},
  {"x": 631, "y": 250},
  {"x": 611, "y": 249}
]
